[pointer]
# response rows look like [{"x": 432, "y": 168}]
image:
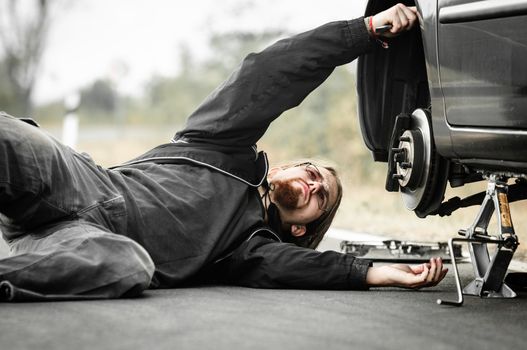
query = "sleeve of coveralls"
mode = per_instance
[
  {"x": 265, "y": 263},
  {"x": 268, "y": 83}
]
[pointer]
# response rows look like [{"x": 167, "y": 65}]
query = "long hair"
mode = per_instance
[{"x": 316, "y": 230}]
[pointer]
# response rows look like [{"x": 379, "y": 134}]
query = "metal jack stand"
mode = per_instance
[{"x": 489, "y": 271}]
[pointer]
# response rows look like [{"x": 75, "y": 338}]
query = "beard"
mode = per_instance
[{"x": 285, "y": 194}]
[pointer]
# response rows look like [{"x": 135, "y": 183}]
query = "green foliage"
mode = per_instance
[
  {"x": 230, "y": 48},
  {"x": 50, "y": 113},
  {"x": 100, "y": 98},
  {"x": 172, "y": 99},
  {"x": 7, "y": 97}
]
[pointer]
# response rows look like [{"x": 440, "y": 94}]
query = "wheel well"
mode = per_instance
[{"x": 390, "y": 81}]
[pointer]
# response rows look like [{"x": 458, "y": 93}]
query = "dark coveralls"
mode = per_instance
[{"x": 185, "y": 211}]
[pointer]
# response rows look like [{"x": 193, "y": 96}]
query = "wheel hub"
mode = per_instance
[
  {"x": 413, "y": 160},
  {"x": 409, "y": 156}
]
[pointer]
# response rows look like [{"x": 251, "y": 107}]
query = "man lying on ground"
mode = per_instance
[{"x": 203, "y": 208}]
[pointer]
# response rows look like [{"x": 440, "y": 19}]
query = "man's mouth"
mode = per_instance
[{"x": 287, "y": 194}]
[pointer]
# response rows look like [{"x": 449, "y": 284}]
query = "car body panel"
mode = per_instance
[
  {"x": 482, "y": 48},
  {"x": 471, "y": 64},
  {"x": 478, "y": 82}
]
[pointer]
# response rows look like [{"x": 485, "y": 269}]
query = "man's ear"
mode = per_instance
[{"x": 298, "y": 230}]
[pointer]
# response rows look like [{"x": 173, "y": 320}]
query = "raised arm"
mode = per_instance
[{"x": 270, "y": 82}]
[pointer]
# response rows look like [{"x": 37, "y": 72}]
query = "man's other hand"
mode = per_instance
[{"x": 406, "y": 276}]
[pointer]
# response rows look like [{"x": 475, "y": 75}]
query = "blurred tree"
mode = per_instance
[
  {"x": 99, "y": 98},
  {"x": 173, "y": 99},
  {"x": 231, "y": 47},
  {"x": 6, "y": 93},
  {"x": 24, "y": 27}
]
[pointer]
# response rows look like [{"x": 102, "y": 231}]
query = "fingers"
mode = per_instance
[
  {"x": 433, "y": 270},
  {"x": 436, "y": 273},
  {"x": 405, "y": 276},
  {"x": 412, "y": 9},
  {"x": 428, "y": 274},
  {"x": 400, "y": 22},
  {"x": 440, "y": 272},
  {"x": 401, "y": 18},
  {"x": 418, "y": 269},
  {"x": 410, "y": 14}
]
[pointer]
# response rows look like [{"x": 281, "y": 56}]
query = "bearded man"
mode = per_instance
[{"x": 202, "y": 208}]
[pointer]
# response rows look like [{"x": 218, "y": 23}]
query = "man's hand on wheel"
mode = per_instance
[{"x": 400, "y": 17}]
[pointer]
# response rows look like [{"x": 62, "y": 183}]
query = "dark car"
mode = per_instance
[
  {"x": 447, "y": 103},
  {"x": 458, "y": 83}
]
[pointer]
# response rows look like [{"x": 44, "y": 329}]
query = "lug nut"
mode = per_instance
[
  {"x": 406, "y": 165},
  {"x": 397, "y": 176},
  {"x": 404, "y": 139},
  {"x": 400, "y": 157}
]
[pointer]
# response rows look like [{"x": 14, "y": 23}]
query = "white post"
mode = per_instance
[{"x": 70, "y": 125}]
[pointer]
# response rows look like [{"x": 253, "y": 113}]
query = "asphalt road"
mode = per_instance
[{"x": 223, "y": 317}]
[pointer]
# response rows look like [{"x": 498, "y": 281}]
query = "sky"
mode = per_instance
[{"x": 128, "y": 41}]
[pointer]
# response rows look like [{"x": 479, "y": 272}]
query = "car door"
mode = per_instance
[{"x": 482, "y": 54}]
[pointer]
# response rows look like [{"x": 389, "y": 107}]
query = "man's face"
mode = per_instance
[{"x": 302, "y": 193}]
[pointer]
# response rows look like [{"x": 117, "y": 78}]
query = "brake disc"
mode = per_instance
[{"x": 421, "y": 173}]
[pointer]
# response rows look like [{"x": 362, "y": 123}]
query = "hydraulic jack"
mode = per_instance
[{"x": 489, "y": 268}]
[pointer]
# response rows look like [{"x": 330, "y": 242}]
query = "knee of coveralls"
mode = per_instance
[
  {"x": 42, "y": 180},
  {"x": 27, "y": 157},
  {"x": 78, "y": 261}
]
